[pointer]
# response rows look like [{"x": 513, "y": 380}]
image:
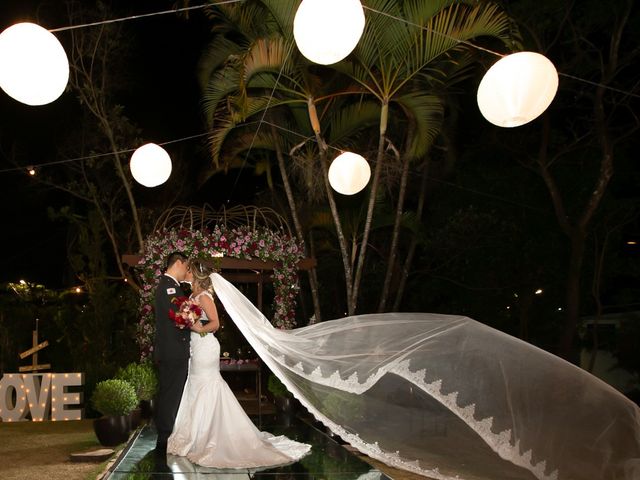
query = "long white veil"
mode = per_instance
[{"x": 448, "y": 397}]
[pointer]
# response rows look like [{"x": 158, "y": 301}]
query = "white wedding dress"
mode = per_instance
[{"x": 212, "y": 429}]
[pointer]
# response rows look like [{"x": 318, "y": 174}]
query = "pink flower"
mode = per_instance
[{"x": 260, "y": 243}]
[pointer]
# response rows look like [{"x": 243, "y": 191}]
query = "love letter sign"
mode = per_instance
[{"x": 44, "y": 395}]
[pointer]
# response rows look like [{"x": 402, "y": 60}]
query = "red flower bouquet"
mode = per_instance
[{"x": 187, "y": 314}]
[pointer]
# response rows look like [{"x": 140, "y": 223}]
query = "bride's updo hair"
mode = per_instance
[{"x": 201, "y": 275}]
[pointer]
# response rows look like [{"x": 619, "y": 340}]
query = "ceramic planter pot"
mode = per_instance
[{"x": 112, "y": 430}]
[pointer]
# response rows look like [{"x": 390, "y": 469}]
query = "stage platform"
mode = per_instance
[{"x": 328, "y": 459}]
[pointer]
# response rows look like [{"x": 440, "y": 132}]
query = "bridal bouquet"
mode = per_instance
[{"x": 187, "y": 314}]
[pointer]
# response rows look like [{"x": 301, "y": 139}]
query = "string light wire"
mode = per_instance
[
  {"x": 262, "y": 120},
  {"x": 168, "y": 142},
  {"x": 596, "y": 84},
  {"x": 430, "y": 30},
  {"x": 97, "y": 155},
  {"x": 501, "y": 55},
  {"x": 144, "y": 15}
]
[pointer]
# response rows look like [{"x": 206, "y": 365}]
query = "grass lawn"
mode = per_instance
[{"x": 40, "y": 450}]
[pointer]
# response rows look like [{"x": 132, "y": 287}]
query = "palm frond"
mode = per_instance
[
  {"x": 227, "y": 120},
  {"x": 237, "y": 144},
  {"x": 215, "y": 54},
  {"x": 222, "y": 85},
  {"x": 391, "y": 52},
  {"x": 283, "y": 12},
  {"x": 347, "y": 121},
  {"x": 271, "y": 55},
  {"x": 427, "y": 112},
  {"x": 382, "y": 29}
]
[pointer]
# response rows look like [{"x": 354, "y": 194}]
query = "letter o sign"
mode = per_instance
[{"x": 13, "y": 401}]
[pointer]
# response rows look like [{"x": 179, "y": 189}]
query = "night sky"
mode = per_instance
[{"x": 163, "y": 101}]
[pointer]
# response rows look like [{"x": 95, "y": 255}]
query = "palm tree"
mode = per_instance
[
  {"x": 402, "y": 67},
  {"x": 261, "y": 69},
  {"x": 407, "y": 66}
]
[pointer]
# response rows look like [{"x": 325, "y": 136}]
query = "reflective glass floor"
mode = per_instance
[{"x": 327, "y": 460}]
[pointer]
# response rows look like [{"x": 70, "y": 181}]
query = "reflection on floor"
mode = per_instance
[{"x": 327, "y": 460}]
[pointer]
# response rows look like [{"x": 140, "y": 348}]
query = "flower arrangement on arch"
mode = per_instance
[{"x": 240, "y": 242}]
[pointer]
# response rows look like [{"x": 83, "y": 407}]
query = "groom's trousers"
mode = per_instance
[{"x": 172, "y": 375}]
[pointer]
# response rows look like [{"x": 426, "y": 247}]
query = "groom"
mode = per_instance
[{"x": 171, "y": 348}]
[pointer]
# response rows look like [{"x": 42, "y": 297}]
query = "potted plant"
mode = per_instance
[
  {"x": 114, "y": 399},
  {"x": 143, "y": 378}
]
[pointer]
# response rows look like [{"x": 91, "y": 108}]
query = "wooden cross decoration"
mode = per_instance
[{"x": 34, "y": 367}]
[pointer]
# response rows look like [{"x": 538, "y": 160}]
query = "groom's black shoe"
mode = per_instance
[{"x": 160, "y": 450}]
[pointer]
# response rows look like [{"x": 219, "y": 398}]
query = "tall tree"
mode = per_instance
[
  {"x": 400, "y": 62},
  {"x": 251, "y": 66},
  {"x": 93, "y": 53},
  {"x": 102, "y": 135},
  {"x": 588, "y": 123}
]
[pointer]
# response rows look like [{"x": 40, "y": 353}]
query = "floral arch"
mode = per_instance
[{"x": 243, "y": 237}]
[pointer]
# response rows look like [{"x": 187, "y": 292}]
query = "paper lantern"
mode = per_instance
[
  {"x": 326, "y": 31},
  {"x": 34, "y": 68},
  {"x": 517, "y": 89},
  {"x": 349, "y": 173},
  {"x": 150, "y": 165}
]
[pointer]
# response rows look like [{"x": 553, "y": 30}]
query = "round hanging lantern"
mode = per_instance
[
  {"x": 349, "y": 173},
  {"x": 326, "y": 31},
  {"x": 150, "y": 165},
  {"x": 34, "y": 68},
  {"x": 517, "y": 89}
]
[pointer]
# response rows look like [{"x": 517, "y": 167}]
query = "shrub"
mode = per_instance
[
  {"x": 276, "y": 387},
  {"x": 114, "y": 397},
  {"x": 143, "y": 378}
]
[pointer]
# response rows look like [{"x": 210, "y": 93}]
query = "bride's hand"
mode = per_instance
[{"x": 197, "y": 327}]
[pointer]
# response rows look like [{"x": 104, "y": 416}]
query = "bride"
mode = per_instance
[
  {"x": 443, "y": 396},
  {"x": 211, "y": 428}
]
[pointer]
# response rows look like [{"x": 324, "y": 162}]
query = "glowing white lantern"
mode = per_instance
[
  {"x": 34, "y": 68},
  {"x": 349, "y": 173},
  {"x": 326, "y": 31},
  {"x": 517, "y": 89},
  {"x": 150, "y": 165}
]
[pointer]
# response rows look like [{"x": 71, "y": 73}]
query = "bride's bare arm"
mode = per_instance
[{"x": 209, "y": 307}]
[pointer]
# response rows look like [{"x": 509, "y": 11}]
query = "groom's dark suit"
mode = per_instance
[{"x": 171, "y": 351}]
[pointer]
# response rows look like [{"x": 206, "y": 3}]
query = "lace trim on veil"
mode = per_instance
[
  {"x": 501, "y": 443},
  {"x": 373, "y": 450}
]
